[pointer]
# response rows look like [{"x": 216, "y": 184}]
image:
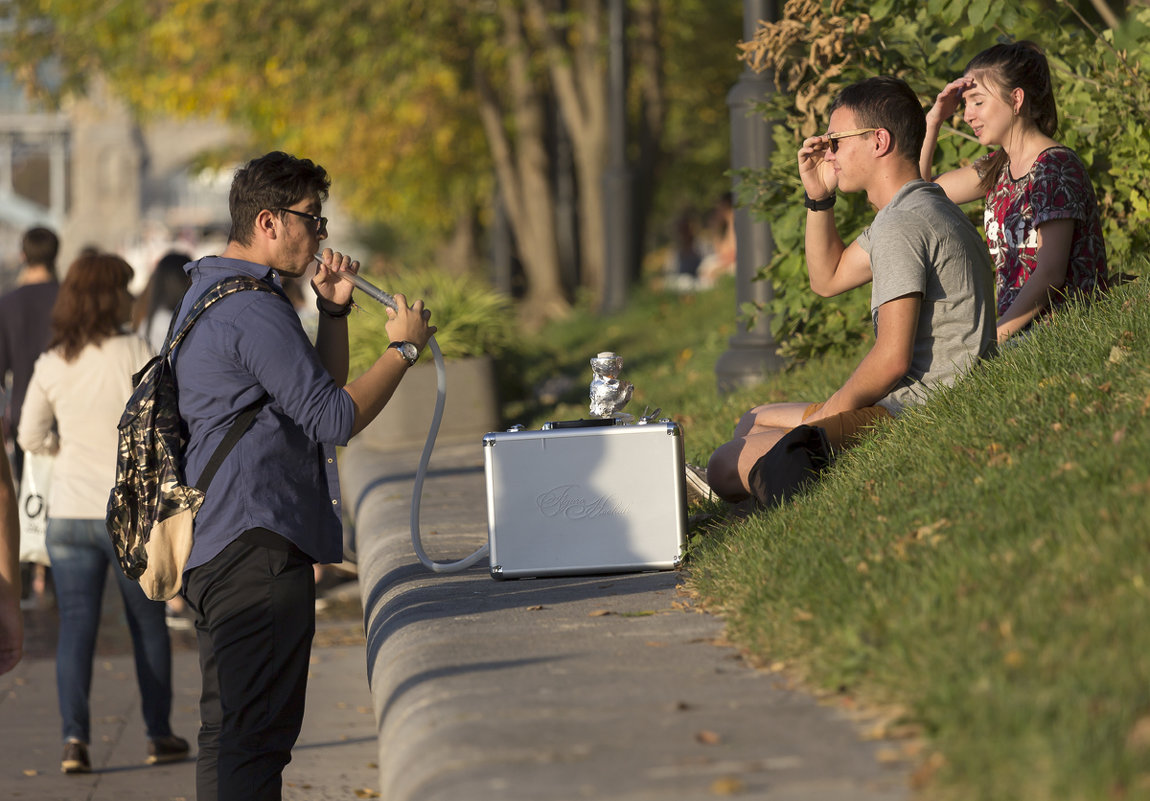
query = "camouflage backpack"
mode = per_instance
[{"x": 151, "y": 509}]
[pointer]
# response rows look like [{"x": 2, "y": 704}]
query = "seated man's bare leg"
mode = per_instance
[
  {"x": 731, "y": 463},
  {"x": 771, "y": 415}
]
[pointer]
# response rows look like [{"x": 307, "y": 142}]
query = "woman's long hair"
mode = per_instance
[
  {"x": 92, "y": 304},
  {"x": 1018, "y": 65},
  {"x": 164, "y": 291}
]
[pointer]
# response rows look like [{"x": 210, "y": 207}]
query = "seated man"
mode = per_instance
[{"x": 932, "y": 296}]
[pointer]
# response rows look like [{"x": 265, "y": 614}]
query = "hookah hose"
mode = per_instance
[{"x": 381, "y": 297}]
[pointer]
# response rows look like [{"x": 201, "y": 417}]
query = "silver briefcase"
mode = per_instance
[{"x": 585, "y": 497}]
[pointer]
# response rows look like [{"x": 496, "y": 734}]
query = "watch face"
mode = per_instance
[{"x": 409, "y": 351}]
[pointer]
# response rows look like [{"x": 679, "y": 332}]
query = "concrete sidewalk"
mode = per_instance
[
  {"x": 334, "y": 758},
  {"x": 599, "y": 687}
]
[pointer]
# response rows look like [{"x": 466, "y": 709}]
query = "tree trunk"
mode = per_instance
[
  {"x": 522, "y": 168},
  {"x": 457, "y": 256},
  {"x": 579, "y": 78},
  {"x": 649, "y": 72}
]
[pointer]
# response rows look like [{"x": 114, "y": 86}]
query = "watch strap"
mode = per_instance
[{"x": 825, "y": 204}]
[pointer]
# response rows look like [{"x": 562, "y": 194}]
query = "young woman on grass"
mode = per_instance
[{"x": 1041, "y": 219}]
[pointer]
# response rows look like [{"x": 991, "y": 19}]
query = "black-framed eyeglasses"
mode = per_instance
[
  {"x": 833, "y": 138},
  {"x": 320, "y": 222}
]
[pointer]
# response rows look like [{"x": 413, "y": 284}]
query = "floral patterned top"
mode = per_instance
[{"x": 1056, "y": 188}]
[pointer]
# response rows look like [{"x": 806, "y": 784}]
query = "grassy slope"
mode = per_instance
[{"x": 983, "y": 563}]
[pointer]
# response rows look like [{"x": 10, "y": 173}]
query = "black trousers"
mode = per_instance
[{"x": 255, "y": 619}]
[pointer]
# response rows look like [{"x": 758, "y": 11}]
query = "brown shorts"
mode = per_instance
[{"x": 844, "y": 429}]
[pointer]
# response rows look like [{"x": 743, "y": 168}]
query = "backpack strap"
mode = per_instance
[
  {"x": 217, "y": 291},
  {"x": 238, "y": 429}
]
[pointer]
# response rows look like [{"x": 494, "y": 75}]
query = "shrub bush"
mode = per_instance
[{"x": 473, "y": 318}]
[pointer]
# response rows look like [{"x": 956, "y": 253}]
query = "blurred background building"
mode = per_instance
[{"x": 99, "y": 178}]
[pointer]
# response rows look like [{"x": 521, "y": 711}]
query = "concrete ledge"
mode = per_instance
[
  {"x": 601, "y": 687},
  {"x": 471, "y": 408}
]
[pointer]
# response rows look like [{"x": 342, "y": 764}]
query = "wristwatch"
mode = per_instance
[{"x": 407, "y": 350}]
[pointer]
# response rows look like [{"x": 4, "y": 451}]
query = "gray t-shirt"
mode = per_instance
[{"x": 922, "y": 242}]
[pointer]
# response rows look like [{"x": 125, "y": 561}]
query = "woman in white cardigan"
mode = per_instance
[{"x": 78, "y": 391}]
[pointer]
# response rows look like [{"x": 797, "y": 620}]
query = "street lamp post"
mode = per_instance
[
  {"x": 752, "y": 353},
  {"x": 617, "y": 176}
]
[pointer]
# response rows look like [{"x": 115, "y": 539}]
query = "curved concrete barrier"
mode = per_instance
[{"x": 603, "y": 687}]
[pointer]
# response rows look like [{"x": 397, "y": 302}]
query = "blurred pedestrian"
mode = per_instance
[
  {"x": 721, "y": 259},
  {"x": 24, "y": 323},
  {"x": 24, "y": 331},
  {"x": 77, "y": 393},
  {"x": 160, "y": 298},
  {"x": 11, "y": 622}
]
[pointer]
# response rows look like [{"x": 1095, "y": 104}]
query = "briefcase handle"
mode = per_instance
[{"x": 599, "y": 422}]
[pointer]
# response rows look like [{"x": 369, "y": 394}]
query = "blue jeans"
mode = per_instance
[{"x": 81, "y": 552}]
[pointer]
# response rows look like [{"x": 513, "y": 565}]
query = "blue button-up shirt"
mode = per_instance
[{"x": 282, "y": 473}]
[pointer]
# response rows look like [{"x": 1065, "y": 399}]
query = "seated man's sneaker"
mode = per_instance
[
  {"x": 698, "y": 490},
  {"x": 167, "y": 749},
  {"x": 75, "y": 759}
]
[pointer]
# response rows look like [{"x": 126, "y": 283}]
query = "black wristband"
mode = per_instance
[
  {"x": 825, "y": 204},
  {"x": 344, "y": 312}
]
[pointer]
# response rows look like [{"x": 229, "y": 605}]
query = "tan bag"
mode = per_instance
[{"x": 168, "y": 549}]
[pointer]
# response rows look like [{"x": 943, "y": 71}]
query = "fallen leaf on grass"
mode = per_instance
[
  {"x": 802, "y": 616},
  {"x": 1118, "y": 354},
  {"x": 888, "y": 756},
  {"x": 1119, "y": 435},
  {"x": 998, "y": 454},
  {"x": 728, "y": 785},
  {"x": 708, "y": 737},
  {"x": 1138, "y": 740},
  {"x": 926, "y": 771}
]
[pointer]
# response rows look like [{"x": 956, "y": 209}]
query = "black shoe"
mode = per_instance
[
  {"x": 167, "y": 749},
  {"x": 75, "y": 759}
]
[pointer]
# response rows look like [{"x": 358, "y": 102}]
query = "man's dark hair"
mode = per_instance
[
  {"x": 887, "y": 103},
  {"x": 275, "y": 181},
  {"x": 40, "y": 247}
]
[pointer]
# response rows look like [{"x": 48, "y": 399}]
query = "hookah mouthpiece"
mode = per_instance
[{"x": 365, "y": 286}]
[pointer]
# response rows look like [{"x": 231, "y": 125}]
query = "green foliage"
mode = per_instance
[
  {"x": 1100, "y": 83},
  {"x": 473, "y": 319}
]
